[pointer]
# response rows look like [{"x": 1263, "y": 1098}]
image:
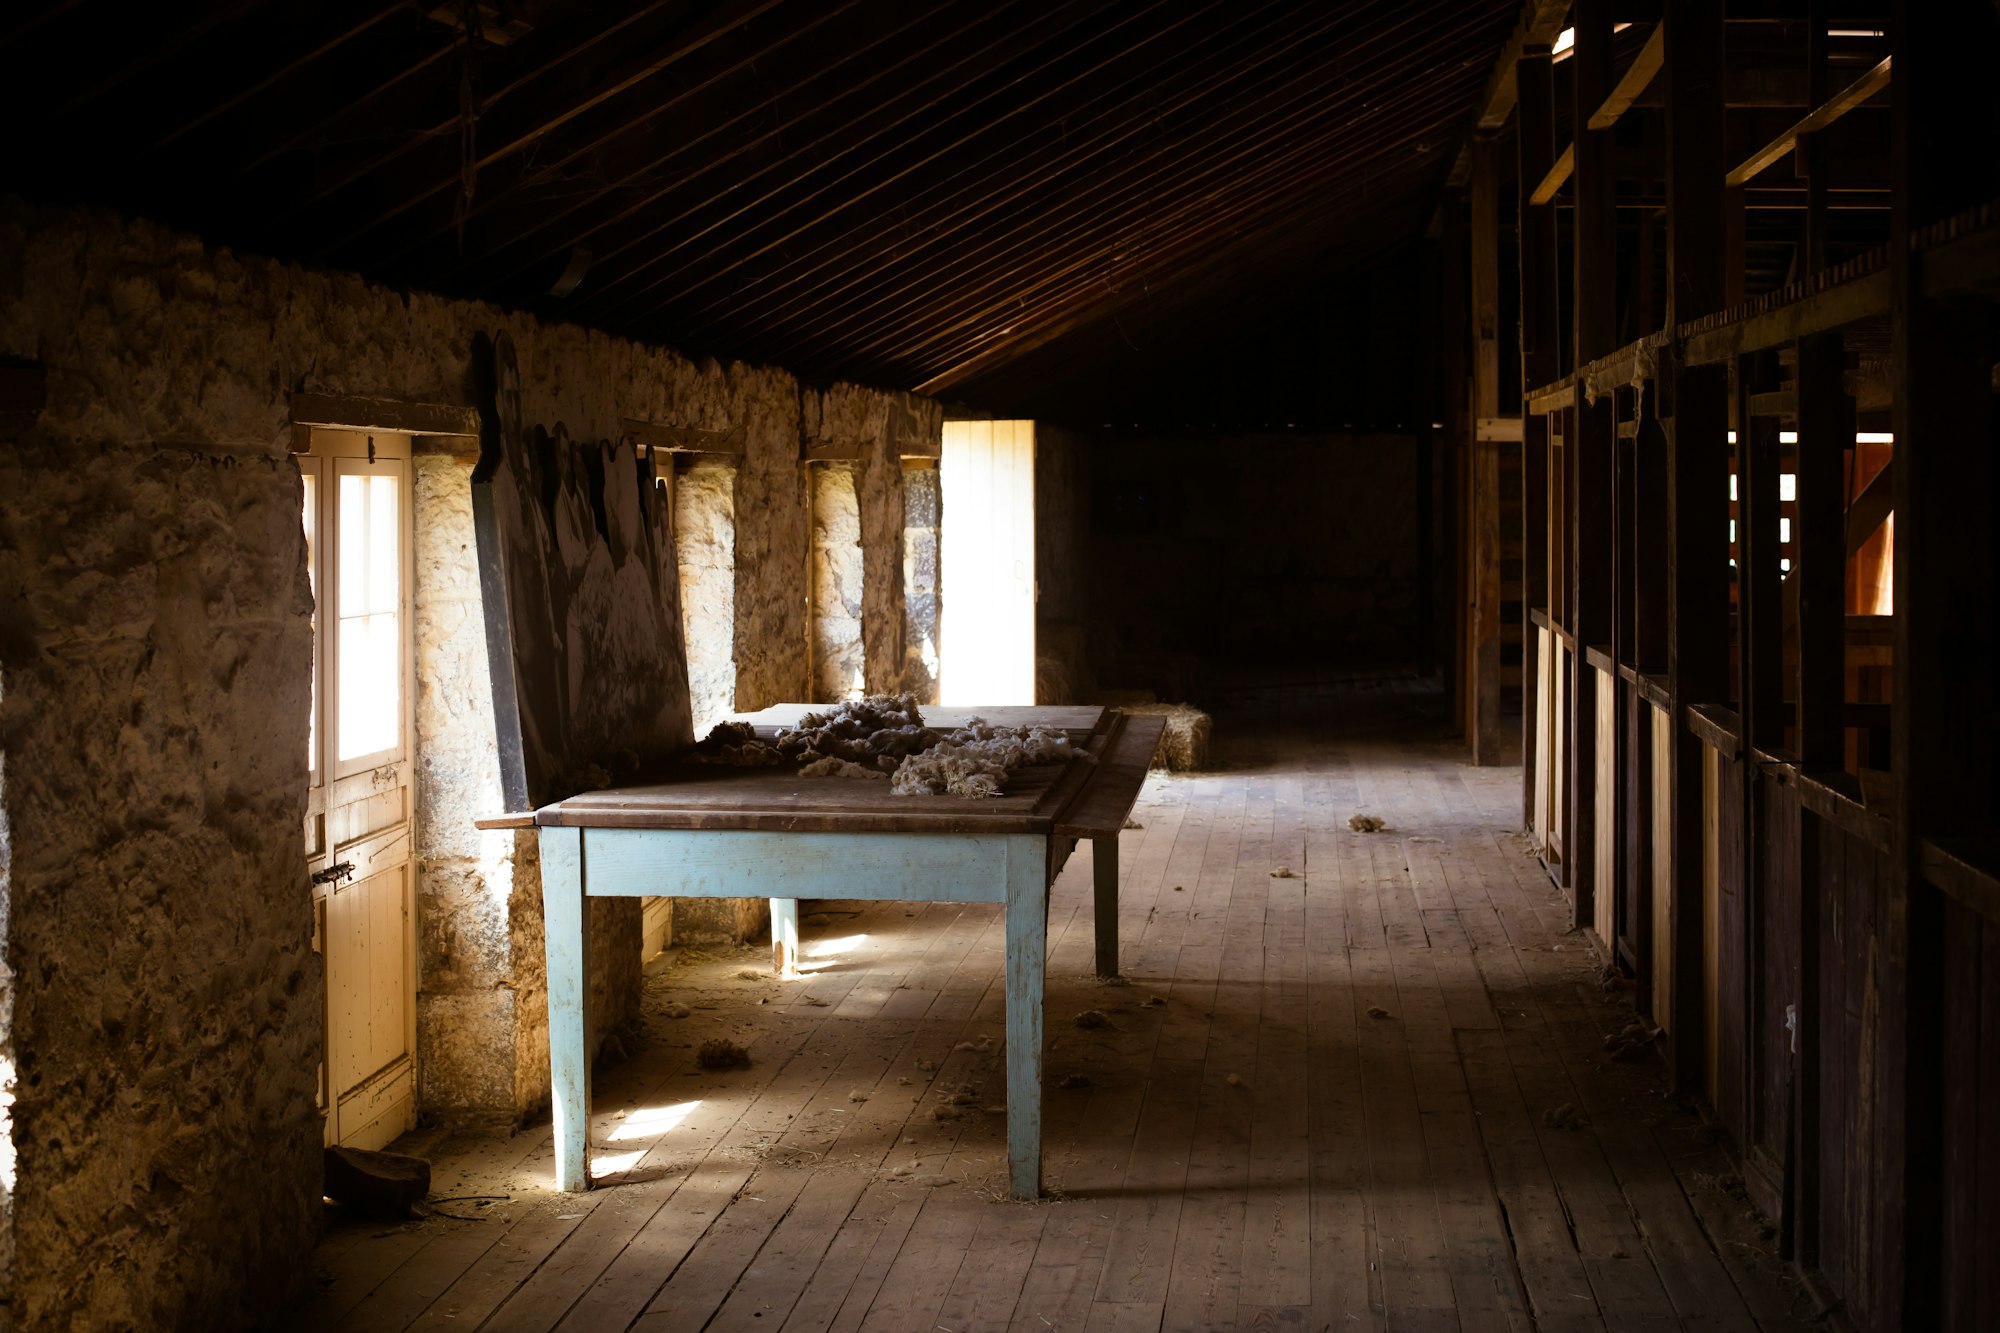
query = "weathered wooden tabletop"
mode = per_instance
[{"x": 1071, "y": 799}]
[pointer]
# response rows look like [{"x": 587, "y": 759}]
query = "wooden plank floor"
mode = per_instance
[{"x": 1368, "y": 1093}]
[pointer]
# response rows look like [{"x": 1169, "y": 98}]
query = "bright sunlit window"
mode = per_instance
[{"x": 368, "y": 598}]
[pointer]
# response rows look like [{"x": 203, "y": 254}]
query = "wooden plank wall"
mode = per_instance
[
  {"x": 1971, "y": 1139},
  {"x": 1813, "y": 925}
]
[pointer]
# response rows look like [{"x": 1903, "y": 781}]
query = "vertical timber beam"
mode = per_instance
[
  {"x": 1697, "y": 482},
  {"x": 1826, "y": 434},
  {"x": 1483, "y": 647},
  {"x": 1535, "y": 140},
  {"x": 1452, "y": 377},
  {"x": 1942, "y": 476},
  {"x": 1589, "y": 451},
  {"x": 1819, "y": 575}
]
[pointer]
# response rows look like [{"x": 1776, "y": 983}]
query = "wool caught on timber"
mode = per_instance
[{"x": 735, "y": 744}]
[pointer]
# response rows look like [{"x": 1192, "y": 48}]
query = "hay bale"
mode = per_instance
[{"x": 1184, "y": 744}]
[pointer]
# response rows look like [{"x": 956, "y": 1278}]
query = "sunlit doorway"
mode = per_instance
[{"x": 988, "y": 558}]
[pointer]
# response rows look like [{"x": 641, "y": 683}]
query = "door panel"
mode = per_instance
[{"x": 359, "y": 809}]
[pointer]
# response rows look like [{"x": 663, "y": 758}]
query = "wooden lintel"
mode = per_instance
[
  {"x": 1565, "y": 163},
  {"x": 1775, "y": 403},
  {"x": 1500, "y": 430},
  {"x": 683, "y": 439},
  {"x": 1842, "y": 102},
  {"x": 1844, "y": 303},
  {"x": 346, "y": 412},
  {"x": 1637, "y": 78},
  {"x": 835, "y": 451},
  {"x": 23, "y": 390}
]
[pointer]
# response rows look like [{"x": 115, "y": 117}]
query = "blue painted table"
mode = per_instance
[{"x": 738, "y": 833}]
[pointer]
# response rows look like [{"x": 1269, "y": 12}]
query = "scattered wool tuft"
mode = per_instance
[
  {"x": 829, "y": 767},
  {"x": 735, "y": 745},
  {"x": 975, "y": 760},
  {"x": 862, "y": 731}
]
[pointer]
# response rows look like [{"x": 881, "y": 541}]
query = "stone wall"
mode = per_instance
[
  {"x": 705, "y": 538},
  {"x": 837, "y": 578},
  {"x": 167, "y": 1009},
  {"x": 154, "y": 677},
  {"x": 923, "y": 513}
]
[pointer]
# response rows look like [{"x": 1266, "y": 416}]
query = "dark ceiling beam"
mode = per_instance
[
  {"x": 981, "y": 205},
  {"x": 1205, "y": 160},
  {"x": 1189, "y": 282},
  {"x": 1089, "y": 216},
  {"x": 333, "y": 32},
  {"x": 154, "y": 46},
  {"x": 519, "y": 123},
  {"x": 1288, "y": 186},
  {"x": 902, "y": 160},
  {"x": 521, "y": 229}
]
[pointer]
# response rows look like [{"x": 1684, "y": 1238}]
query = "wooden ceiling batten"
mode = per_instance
[
  {"x": 1163, "y": 172},
  {"x": 891, "y": 191}
]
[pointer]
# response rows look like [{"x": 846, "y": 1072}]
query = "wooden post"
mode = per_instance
[
  {"x": 1826, "y": 434},
  {"x": 1483, "y": 648},
  {"x": 1104, "y": 901},
  {"x": 1589, "y": 450},
  {"x": 1819, "y": 578},
  {"x": 1758, "y": 578},
  {"x": 1452, "y": 379},
  {"x": 1535, "y": 140},
  {"x": 566, "y": 923},
  {"x": 1027, "y": 942},
  {"x": 1941, "y": 744},
  {"x": 1697, "y": 485}
]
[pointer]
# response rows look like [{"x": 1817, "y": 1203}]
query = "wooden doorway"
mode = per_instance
[
  {"x": 988, "y": 563},
  {"x": 357, "y": 507}
]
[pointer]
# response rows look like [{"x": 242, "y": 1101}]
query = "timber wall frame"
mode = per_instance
[{"x": 1803, "y": 882}]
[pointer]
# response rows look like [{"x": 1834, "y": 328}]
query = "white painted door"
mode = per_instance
[
  {"x": 357, "y": 834},
  {"x": 987, "y": 554}
]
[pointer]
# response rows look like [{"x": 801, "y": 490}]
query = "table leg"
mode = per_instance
[
  {"x": 1027, "y": 939},
  {"x": 1104, "y": 888},
  {"x": 785, "y": 937},
  {"x": 566, "y": 923}
]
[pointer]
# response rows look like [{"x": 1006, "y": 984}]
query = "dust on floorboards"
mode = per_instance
[{"x": 1372, "y": 1094}]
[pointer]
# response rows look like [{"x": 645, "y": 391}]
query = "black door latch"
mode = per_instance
[{"x": 339, "y": 871}]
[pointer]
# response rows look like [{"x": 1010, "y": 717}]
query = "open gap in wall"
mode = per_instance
[
  {"x": 988, "y": 481},
  {"x": 922, "y": 512},
  {"x": 704, "y": 507},
  {"x": 838, "y": 661}
]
